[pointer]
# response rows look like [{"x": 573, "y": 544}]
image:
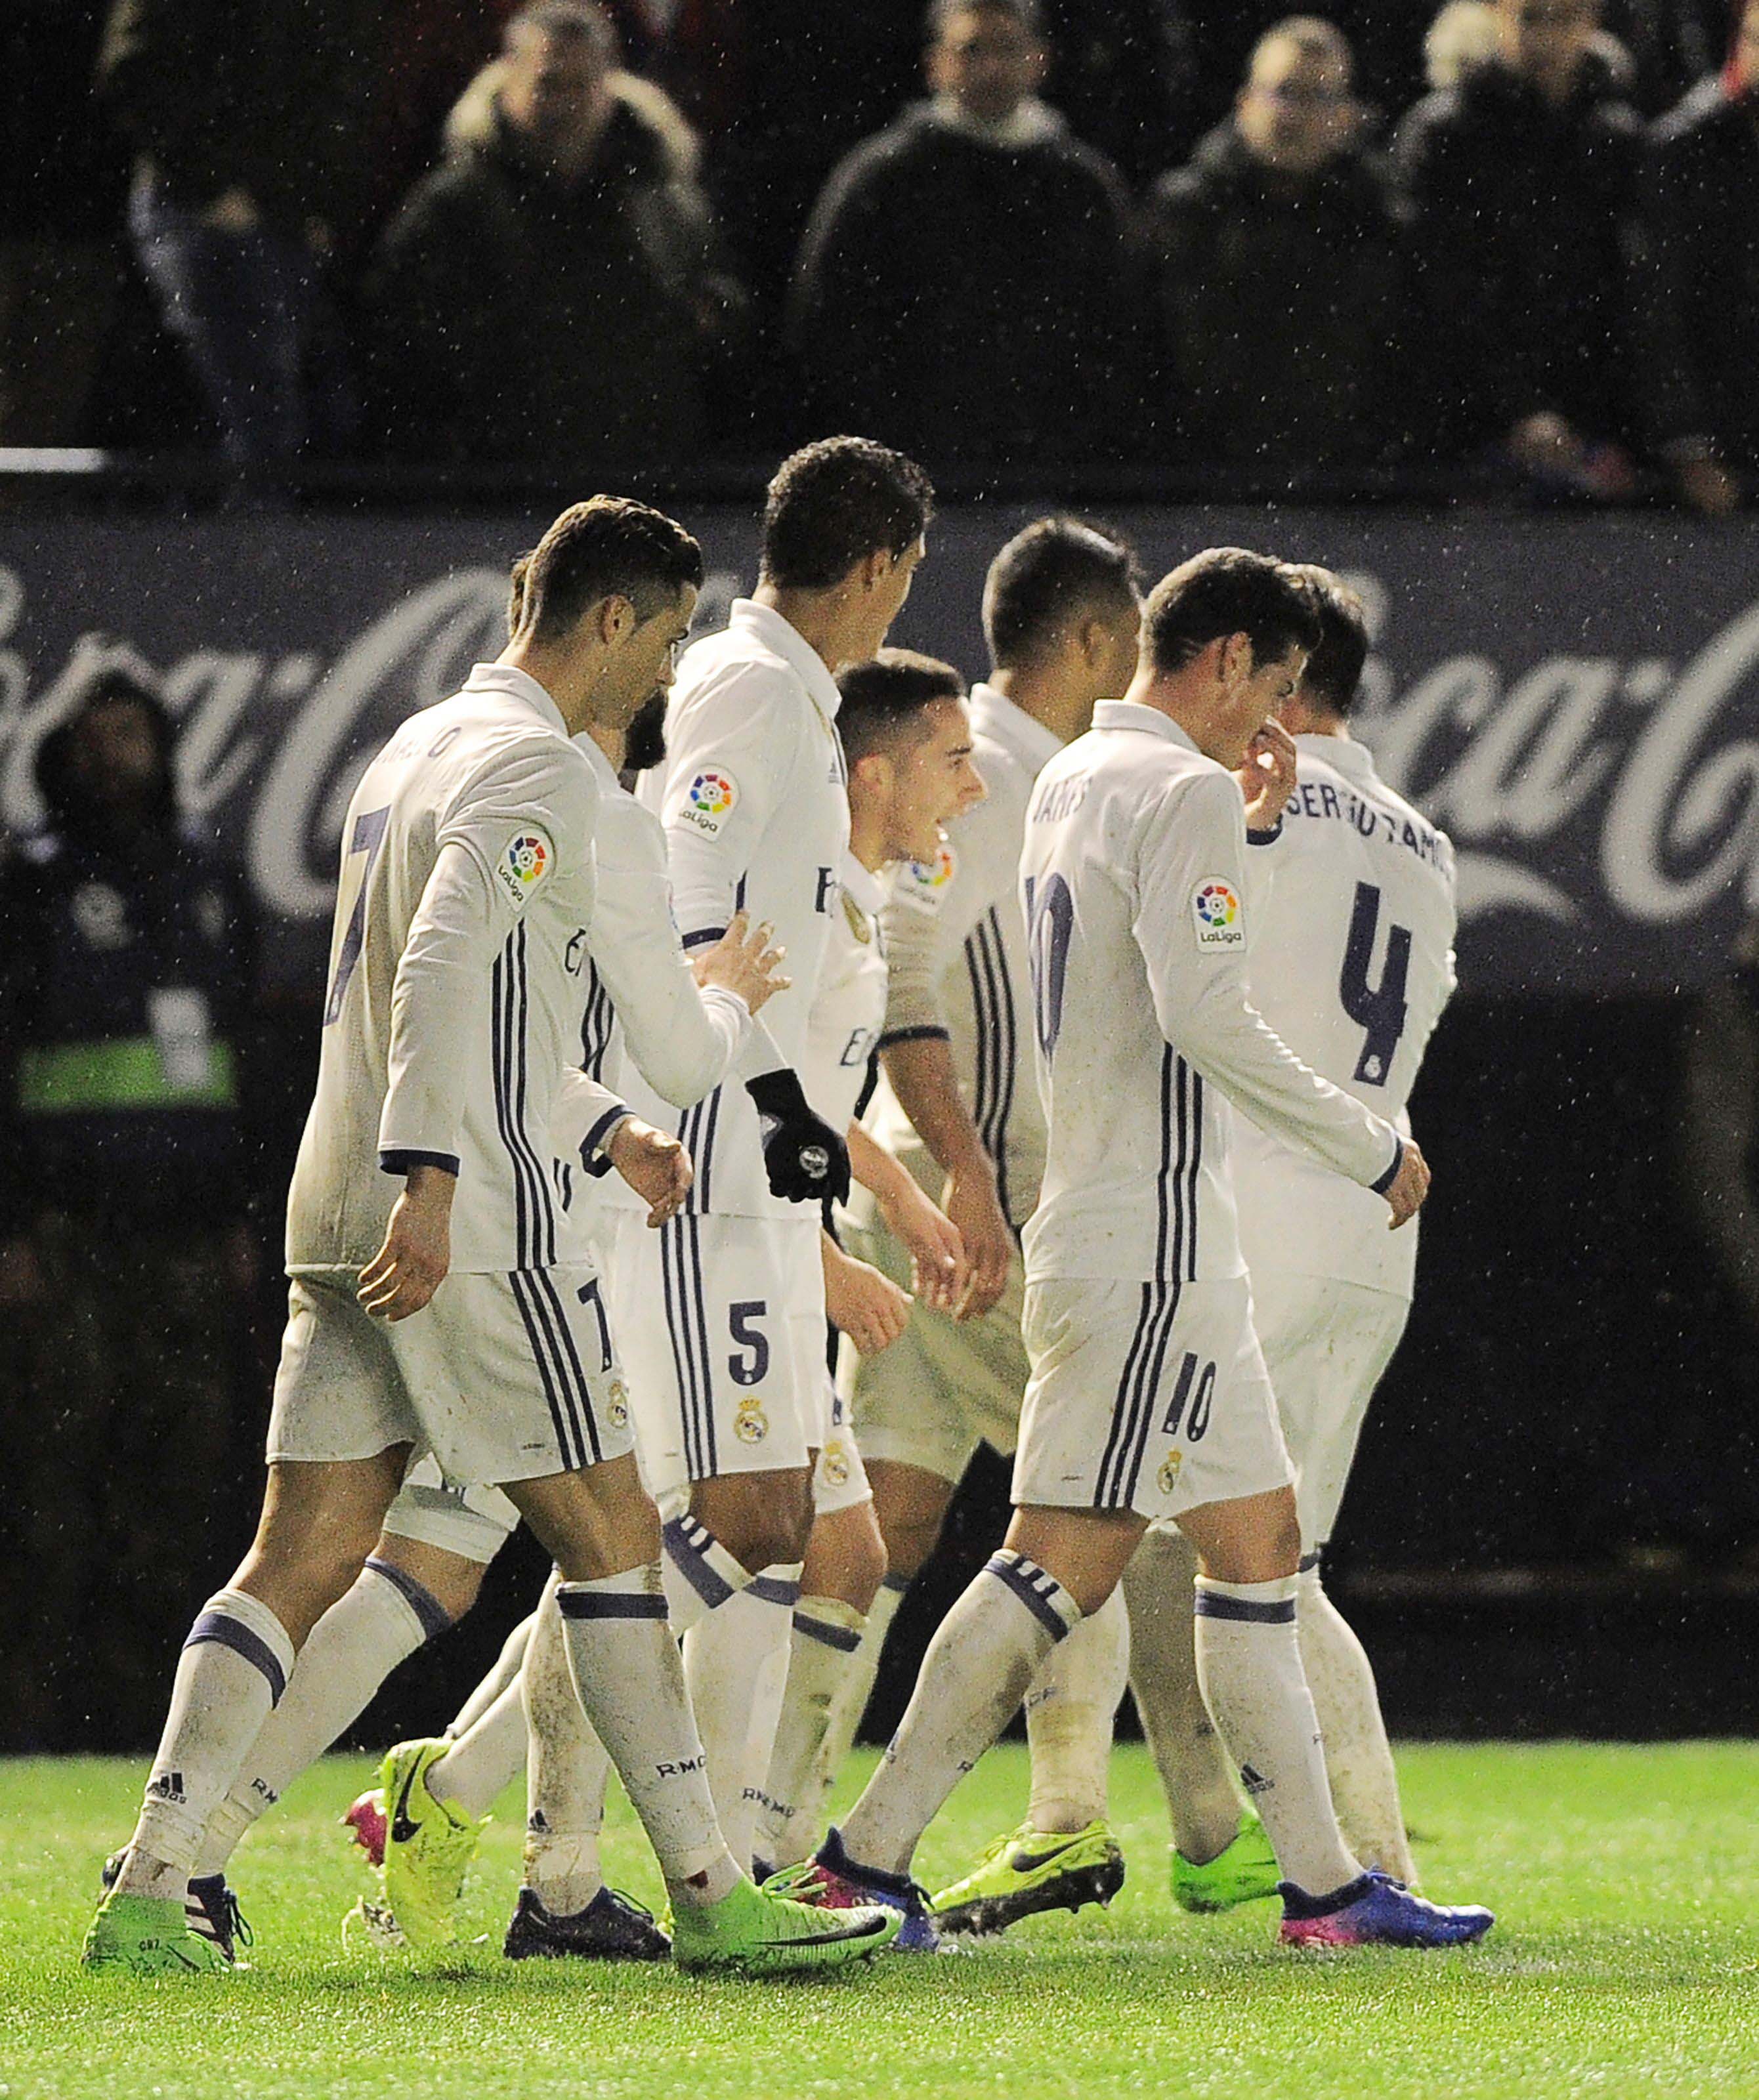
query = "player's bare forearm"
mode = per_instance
[
  {"x": 921, "y": 1073},
  {"x": 860, "y": 1302},
  {"x": 412, "y": 1262},
  {"x": 930, "y": 1238}
]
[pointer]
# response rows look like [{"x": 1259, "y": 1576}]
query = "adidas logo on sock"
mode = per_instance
[
  {"x": 167, "y": 1786},
  {"x": 1254, "y": 1782}
]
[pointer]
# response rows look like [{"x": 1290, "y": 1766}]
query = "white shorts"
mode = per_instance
[
  {"x": 721, "y": 1323},
  {"x": 474, "y": 1523},
  {"x": 1147, "y": 1397},
  {"x": 1326, "y": 1344},
  {"x": 943, "y": 1388},
  {"x": 502, "y": 1377},
  {"x": 839, "y": 1479}
]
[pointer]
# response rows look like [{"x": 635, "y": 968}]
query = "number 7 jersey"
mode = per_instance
[
  {"x": 1353, "y": 919},
  {"x": 1133, "y": 880}
]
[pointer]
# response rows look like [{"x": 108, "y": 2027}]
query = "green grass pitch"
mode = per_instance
[{"x": 1624, "y": 1964}]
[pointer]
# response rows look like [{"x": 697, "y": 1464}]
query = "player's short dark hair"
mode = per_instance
[
  {"x": 1334, "y": 663},
  {"x": 516, "y": 576},
  {"x": 1026, "y": 13},
  {"x": 884, "y": 698},
  {"x": 1052, "y": 570},
  {"x": 834, "y": 503},
  {"x": 609, "y": 546},
  {"x": 1223, "y": 591}
]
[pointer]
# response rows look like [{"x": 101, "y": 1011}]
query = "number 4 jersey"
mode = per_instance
[
  {"x": 1353, "y": 919},
  {"x": 1133, "y": 880}
]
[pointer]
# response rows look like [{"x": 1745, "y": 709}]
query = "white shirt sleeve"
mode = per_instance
[
  {"x": 928, "y": 917},
  {"x": 721, "y": 780},
  {"x": 582, "y": 1117},
  {"x": 1189, "y": 866},
  {"x": 684, "y": 1038}
]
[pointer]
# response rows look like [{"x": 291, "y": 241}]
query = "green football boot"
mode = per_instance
[
  {"x": 148, "y": 1936},
  {"x": 757, "y": 1933},
  {"x": 429, "y": 1845},
  {"x": 1028, "y": 1871},
  {"x": 1242, "y": 1872}
]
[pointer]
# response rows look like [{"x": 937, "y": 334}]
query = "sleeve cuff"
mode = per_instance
[
  {"x": 1266, "y": 838},
  {"x": 395, "y": 1160},
  {"x": 1391, "y": 1174},
  {"x": 592, "y": 1159},
  {"x": 705, "y": 936},
  {"x": 925, "y": 1034}
]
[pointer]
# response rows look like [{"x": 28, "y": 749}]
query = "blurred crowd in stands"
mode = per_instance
[{"x": 1513, "y": 244}]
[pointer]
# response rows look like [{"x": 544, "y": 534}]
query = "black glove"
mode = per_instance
[{"x": 805, "y": 1160}]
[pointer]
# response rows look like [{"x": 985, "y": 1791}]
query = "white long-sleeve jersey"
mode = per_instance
[
  {"x": 457, "y": 966},
  {"x": 956, "y": 945},
  {"x": 754, "y": 799},
  {"x": 846, "y": 1016},
  {"x": 1353, "y": 920},
  {"x": 1133, "y": 882}
]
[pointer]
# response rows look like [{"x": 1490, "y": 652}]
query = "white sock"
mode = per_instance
[
  {"x": 1249, "y": 1663},
  {"x": 823, "y": 1648},
  {"x": 701, "y": 1574},
  {"x": 565, "y": 1775},
  {"x": 352, "y": 1649},
  {"x": 234, "y": 1668},
  {"x": 849, "y": 1702},
  {"x": 1069, "y": 1713},
  {"x": 505, "y": 1671},
  {"x": 485, "y": 1760},
  {"x": 624, "y": 1659},
  {"x": 988, "y": 1650},
  {"x": 1195, "y": 1774},
  {"x": 736, "y": 1664},
  {"x": 1359, "y": 1759}
]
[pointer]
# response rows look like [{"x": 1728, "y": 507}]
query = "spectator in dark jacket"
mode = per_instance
[
  {"x": 1278, "y": 262},
  {"x": 965, "y": 285},
  {"x": 125, "y": 999},
  {"x": 1702, "y": 305},
  {"x": 553, "y": 291},
  {"x": 249, "y": 122},
  {"x": 1522, "y": 180}
]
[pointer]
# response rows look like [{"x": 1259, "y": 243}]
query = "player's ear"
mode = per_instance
[{"x": 1235, "y": 662}]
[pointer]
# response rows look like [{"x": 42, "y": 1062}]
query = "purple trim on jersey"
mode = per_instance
[
  {"x": 1265, "y": 838},
  {"x": 1391, "y": 1174},
  {"x": 433, "y": 1615},
  {"x": 924, "y": 1035},
  {"x": 593, "y": 1157},
  {"x": 705, "y": 936},
  {"x": 399, "y": 1159},
  {"x": 223, "y": 1629}
]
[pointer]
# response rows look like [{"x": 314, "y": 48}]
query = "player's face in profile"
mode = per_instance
[
  {"x": 934, "y": 781},
  {"x": 648, "y": 662},
  {"x": 1255, "y": 696}
]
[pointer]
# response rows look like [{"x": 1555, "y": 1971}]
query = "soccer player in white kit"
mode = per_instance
[
  {"x": 1149, "y": 1397},
  {"x": 908, "y": 740},
  {"x": 730, "y": 1383},
  {"x": 468, "y": 873},
  {"x": 1352, "y": 904},
  {"x": 961, "y": 1108}
]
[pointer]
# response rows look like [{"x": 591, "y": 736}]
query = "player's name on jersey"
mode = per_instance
[
  {"x": 1058, "y": 799},
  {"x": 1319, "y": 798}
]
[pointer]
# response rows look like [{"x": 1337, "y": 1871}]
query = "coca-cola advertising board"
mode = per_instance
[{"x": 1575, "y": 699}]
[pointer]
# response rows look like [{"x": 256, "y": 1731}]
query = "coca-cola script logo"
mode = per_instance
[{"x": 1611, "y": 804}]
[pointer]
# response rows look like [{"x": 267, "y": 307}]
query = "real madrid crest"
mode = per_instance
[
  {"x": 619, "y": 1406},
  {"x": 836, "y": 1465},
  {"x": 859, "y": 925},
  {"x": 751, "y": 1425},
  {"x": 1169, "y": 1471}
]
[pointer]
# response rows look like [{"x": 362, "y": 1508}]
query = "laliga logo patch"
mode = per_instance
[
  {"x": 751, "y": 1425},
  {"x": 711, "y": 799},
  {"x": 924, "y": 882},
  {"x": 528, "y": 858},
  {"x": 1215, "y": 911}
]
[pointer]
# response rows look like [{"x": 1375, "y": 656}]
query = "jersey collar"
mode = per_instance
[
  {"x": 604, "y": 771},
  {"x": 1132, "y": 714},
  {"x": 868, "y": 890},
  {"x": 1006, "y": 722},
  {"x": 1343, "y": 754},
  {"x": 515, "y": 685},
  {"x": 766, "y": 625}
]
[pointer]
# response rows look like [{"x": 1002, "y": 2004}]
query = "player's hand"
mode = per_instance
[
  {"x": 805, "y": 1159},
  {"x": 1267, "y": 779},
  {"x": 743, "y": 961},
  {"x": 970, "y": 1202},
  {"x": 411, "y": 1264},
  {"x": 1409, "y": 1186},
  {"x": 867, "y": 1307},
  {"x": 938, "y": 1271},
  {"x": 655, "y": 1165}
]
